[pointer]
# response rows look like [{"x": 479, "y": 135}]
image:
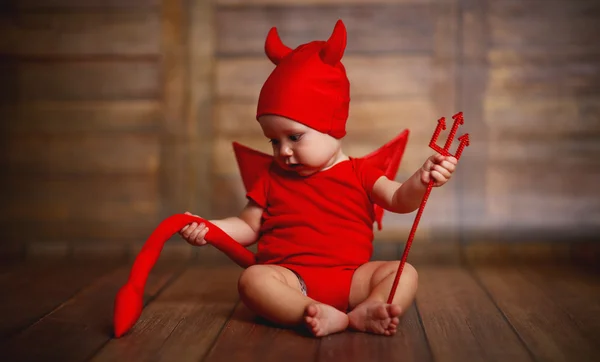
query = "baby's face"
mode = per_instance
[{"x": 299, "y": 148}]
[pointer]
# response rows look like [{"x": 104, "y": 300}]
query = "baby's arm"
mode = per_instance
[
  {"x": 243, "y": 228},
  {"x": 406, "y": 197}
]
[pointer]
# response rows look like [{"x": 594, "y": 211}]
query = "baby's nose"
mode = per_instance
[{"x": 285, "y": 151}]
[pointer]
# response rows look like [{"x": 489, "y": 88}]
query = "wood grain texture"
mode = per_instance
[
  {"x": 183, "y": 321},
  {"x": 544, "y": 24},
  {"x": 68, "y": 117},
  {"x": 409, "y": 344},
  {"x": 537, "y": 318},
  {"x": 200, "y": 109},
  {"x": 83, "y": 81},
  {"x": 85, "y": 318},
  {"x": 188, "y": 89},
  {"x": 77, "y": 33},
  {"x": 466, "y": 325},
  {"x": 370, "y": 77},
  {"x": 119, "y": 232},
  {"x": 37, "y": 5},
  {"x": 247, "y": 338},
  {"x": 574, "y": 290},
  {"x": 101, "y": 199},
  {"x": 372, "y": 28},
  {"x": 472, "y": 80},
  {"x": 550, "y": 118},
  {"x": 91, "y": 154},
  {"x": 41, "y": 289},
  {"x": 527, "y": 251}
]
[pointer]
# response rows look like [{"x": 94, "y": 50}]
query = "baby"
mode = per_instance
[{"x": 311, "y": 212}]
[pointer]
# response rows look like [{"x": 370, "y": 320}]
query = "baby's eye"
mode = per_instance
[
  {"x": 273, "y": 141},
  {"x": 295, "y": 137}
]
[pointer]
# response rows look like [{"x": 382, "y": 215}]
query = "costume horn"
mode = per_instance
[
  {"x": 336, "y": 44},
  {"x": 274, "y": 47}
]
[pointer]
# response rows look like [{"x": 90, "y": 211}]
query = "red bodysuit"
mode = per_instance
[{"x": 320, "y": 226}]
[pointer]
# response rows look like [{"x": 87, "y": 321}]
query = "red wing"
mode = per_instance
[
  {"x": 252, "y": 163},
  {"x": 387, "y": 158}
]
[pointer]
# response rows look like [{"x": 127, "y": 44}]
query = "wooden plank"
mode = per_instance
[
  {"x": 368, "y": 118},
  {"x": 550, "y": 118},
  {"x": 84, "y": 80},
  {"x": 579, "y": 77},
  {"x": 526, "y": 251},
  {"x": 199, "y": 111},
  {"x": 372, "y": 28},
  {"x": 40, "y": 291},
  {"x": 516, "y": 198},
  {"x": 472, "y": 86},
  {"x": 86, "y": 153},
  {"x": 64, "y": 117},
  {"x": 94, "y": 33},
  {"x": 409, "y": 344},
  {"x": 461, "y": 322},
  {"x": 182, "y": 323},
  {"x": 61, "y": 199},
  {"x": 126, "y": 229},
  {"x": 547, "y": 329},
  {"x": 185, "y": 152},
  {"x": 396, "y": 76},
  {"x": 78, "y": 4},
  {"x": 79, "y": 327},
  {"x": 245, "y": 337},
  {"x": 546, "y": 24},
  {"x": 576, "y": 291}
]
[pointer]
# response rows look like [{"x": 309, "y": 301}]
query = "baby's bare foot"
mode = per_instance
[
  {"x": 376, "y": 317},
  {"x": 323, "y": 319}
]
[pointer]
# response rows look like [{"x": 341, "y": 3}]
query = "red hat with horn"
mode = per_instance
[{"x": 309, "y": 84}]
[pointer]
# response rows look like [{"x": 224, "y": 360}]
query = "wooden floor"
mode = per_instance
[{"x": 62, "y": 312}]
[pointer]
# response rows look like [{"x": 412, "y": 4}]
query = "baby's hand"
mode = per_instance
[
  {"x": 193, "y": 233},
  {"x": 439, "y": 167}
]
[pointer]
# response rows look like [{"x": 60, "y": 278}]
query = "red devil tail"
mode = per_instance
[{"x": 129, "y": 299}]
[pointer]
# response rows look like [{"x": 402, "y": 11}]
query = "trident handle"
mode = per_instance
[{"x": 464, "y": 142}]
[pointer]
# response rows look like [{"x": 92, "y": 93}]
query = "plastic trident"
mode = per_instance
[{"x": 464, "y": 142}]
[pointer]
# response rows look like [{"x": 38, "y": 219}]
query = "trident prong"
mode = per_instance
[{"x": 464, "y": 139}]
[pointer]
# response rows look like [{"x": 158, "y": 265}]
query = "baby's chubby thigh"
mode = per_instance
[
  {"x": 261, "y": 278},
  {"x": 273, "y": 292}
]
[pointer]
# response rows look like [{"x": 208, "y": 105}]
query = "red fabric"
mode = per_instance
[
  {"x": 324, "y": 220},
  {"x": 309, "y": 84},
  {"x": 252, "y": 163}
]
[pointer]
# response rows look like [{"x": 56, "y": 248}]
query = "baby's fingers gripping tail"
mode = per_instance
[{"x": 129, "y": 300}]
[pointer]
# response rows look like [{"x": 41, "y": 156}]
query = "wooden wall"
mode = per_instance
[
  {"x": 117, "y": 114},
  {"x": 99, "y": 125}
]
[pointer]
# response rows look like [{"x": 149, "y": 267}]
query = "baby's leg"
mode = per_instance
[
  {"x": 371, "y": 285},
  {"x": 274, "y": 293}
]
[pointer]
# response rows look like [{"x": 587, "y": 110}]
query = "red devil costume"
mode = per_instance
[{"x": 319, "y": 226}]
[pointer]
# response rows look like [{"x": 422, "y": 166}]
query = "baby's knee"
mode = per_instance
[
  {"x": 409, "y": 272},
  {"x": 250, "y": 277}
]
